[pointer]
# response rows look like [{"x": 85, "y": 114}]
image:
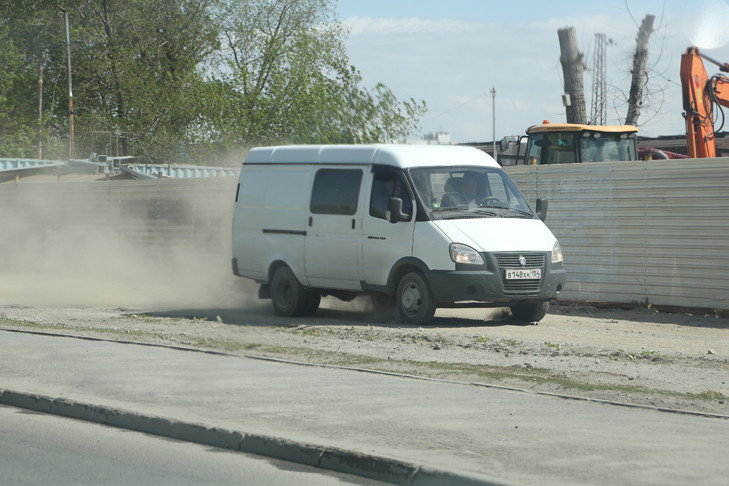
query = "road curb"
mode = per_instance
[{"x": 330, "y": 458}]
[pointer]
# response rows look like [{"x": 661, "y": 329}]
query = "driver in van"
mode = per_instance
[
  {"x": 383, "y": 191},
  {"x": 461, "y": 191},
  {"x": 469, "y": 188}
]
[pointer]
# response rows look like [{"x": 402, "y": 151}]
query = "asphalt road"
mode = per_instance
[
  {"x": 353, "y": 417},
  {"x": 40, "y": 448}
]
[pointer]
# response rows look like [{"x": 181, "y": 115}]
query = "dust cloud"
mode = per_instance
[
  {"x": 153, "y": 245},
  {"x": 120, "y": 244}
]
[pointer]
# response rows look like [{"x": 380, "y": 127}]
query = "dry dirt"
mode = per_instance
[{"x": 676, "y": 361}]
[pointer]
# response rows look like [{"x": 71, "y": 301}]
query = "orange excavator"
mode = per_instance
[{"x": 703, "y": 96}]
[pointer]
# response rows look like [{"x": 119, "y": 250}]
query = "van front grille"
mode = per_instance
[{"x": 512, "y": 260}]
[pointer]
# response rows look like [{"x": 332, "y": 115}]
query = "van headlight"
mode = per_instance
[
  {"x": 556, "y": 253},
  {"x": 465, "y": 254}
]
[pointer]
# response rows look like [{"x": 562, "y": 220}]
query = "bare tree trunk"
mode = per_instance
[
  {"x": 573, "y": 66},
  {"x": 635, "y": 99}
]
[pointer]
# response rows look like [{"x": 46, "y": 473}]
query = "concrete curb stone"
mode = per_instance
[{"x": 334, "y": 459}]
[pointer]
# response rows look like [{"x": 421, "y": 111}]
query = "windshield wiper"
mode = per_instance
[
  {"x": 463, "y": 212},
  {"x": 449, "y": 208},
  {"x": 484, "y": 211},
  {"x": 522, "y": 213}
]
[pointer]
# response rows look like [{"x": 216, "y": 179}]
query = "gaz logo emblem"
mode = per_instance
[{"x": 522, "y": 260}]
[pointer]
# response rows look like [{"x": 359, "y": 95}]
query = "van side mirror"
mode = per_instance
[
  {"x": 394, "y": 210},
  {"x": 542, "y": 206}
]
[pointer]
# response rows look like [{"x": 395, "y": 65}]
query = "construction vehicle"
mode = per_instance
[
  {"x": 702, "y": 95},
  {"x": 569, "y": 143}
]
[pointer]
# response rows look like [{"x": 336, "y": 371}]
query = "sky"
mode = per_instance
[{"x": 452, "y": 54}]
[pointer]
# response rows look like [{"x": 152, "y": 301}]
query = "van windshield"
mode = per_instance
[{"x": 468, "y": 192}]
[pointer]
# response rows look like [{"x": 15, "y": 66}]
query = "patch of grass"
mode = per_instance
[
  {"x": 649, "y": 355},
  {"x": 4, "y": 321},
  {"x": 308, "y": 331},
  {"x": 482, "y": 339},
  {"x": 711, "y": 396},
  {"x": 518, "y": 376}
]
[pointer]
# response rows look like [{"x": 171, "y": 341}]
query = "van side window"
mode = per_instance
[
  {"x": 336, "y": 191},
  {"x": 387, "y": 184}
]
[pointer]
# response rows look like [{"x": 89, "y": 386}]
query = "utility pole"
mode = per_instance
[
  {"x": 70, "y": 86},
  {"x": 598, "y": 115},
  {"x": 493, "y": 122}
]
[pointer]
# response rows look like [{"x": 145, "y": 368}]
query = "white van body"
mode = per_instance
[{"x": 389, "y": 220}]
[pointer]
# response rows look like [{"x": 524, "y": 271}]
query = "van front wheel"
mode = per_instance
[
  {"x": 289, "y": 298},
  {"x": 529, "y": 311},
  {"x": 415, "y": 304}
]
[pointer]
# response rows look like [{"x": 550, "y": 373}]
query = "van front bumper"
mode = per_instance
[{"x": 450, "y": 286}]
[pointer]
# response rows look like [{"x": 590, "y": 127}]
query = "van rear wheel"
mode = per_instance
[
  {"x": 289, "y": 298},
  {"x": 313, "y": 299},
  {"x": 415, "y": 304}
]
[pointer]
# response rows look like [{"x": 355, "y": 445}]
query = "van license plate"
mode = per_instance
[{"x": 523, "y": 273}]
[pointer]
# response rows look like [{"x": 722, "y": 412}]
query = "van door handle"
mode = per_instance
[
  {"x": 353, "y": 224},
  {"x": 311, "y": 221}
]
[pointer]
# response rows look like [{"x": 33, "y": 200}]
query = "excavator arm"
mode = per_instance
[{"x": 701, "y": 95}]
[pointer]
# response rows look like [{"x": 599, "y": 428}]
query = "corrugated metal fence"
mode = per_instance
[{"x": 639, "y": 232}]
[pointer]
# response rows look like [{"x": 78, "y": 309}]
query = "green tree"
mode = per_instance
[
  {"x": 136, "y": 65},
  {"x": 191, "y": 77},
  {"x": 356, "y": 115},
  {"x": 284, "y": 58},
  {"x": 22, "y": 132},
  {"x": 139, "y": 68}
]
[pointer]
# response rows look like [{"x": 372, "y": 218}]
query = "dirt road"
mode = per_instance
[{"x": 640, "y": 356}]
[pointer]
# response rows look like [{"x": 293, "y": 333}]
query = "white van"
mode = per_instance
[{"x": 417, "y": 226}]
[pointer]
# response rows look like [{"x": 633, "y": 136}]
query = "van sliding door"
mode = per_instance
[{"x": 333, "y": 233}]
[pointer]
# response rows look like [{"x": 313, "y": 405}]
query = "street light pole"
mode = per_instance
[
  {"x": 70, "y": 86},
  {"x": 493, "y": 113}
]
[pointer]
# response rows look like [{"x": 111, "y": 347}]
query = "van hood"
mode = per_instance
[{"x": 499, "y": 234}]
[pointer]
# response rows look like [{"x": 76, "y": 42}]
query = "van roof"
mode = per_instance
[{"x": 396, "y": 155}]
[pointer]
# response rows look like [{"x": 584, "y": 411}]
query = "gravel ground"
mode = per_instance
[{"x": 639, "y": 356}]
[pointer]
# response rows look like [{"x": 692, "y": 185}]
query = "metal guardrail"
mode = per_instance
[
  {"x": 11, "y": 168},
  {"x": 177, "y": 171},
  {"x": 15, "y": 164}
]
